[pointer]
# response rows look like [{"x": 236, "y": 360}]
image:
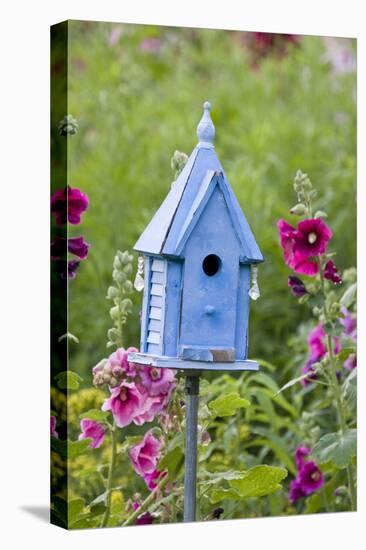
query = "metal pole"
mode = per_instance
[{"x": 190, "y": 464}]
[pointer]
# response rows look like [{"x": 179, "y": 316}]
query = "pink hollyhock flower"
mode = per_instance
[
  {"x": 94, "y": 430},
  {"x": 126, "y": 404},
  {"x": 294, "y": 259},
  {"x": 145, "y": 455},
  {"x": 310, "y": 477},
  {"x": 351, "y": 362},
  {"x": 53, "y": 427},
  {"x": 331, "y": 273},
  {"x": 156, "y": 380},
  {"x": 316, "y": 342},
  {"x": 78, "y": 247},
  {"x": 312, "y": 237},
  {"x": 349, "y": 323},
  {"x": 68, "y": 204},
  {"x": 152, "y": 406},
  {"x": 119, "y": 359},
  {"x": 300, "y": 456},
  {"x": 152, "y": 479},
  {"x": 296, "y": 492}
]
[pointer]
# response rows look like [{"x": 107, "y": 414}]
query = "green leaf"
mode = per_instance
[
  {"x": 75, "y": 507},
  {"x": 68, "y": 380},
  {"x": 259, "y": 481},
  {"x": 228, "y": 405},
  {"x": 96, "y": 414},
  {"x": 292, "y": 382},
  {"x": 218, "y": 477},
  {"x": 336, "y": 448},
  {"x": 70, "y": 449},
  {"x": 349, "y": 389},
  {"x": 349, "y": 296},
  {"x": 172, "y": 461},
  {"x": 334, "y": 329}
]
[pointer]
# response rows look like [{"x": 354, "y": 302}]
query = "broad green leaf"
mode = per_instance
[
  {"x": 349, "y": 296},
  {"x": 218, "y": 495},
  {"x": 68, "y": 380},
  {"x": 218, "y": 477},
  {"x": 75, "y": 507},
  {"x": 96, "y": 414},
  {"x": 172, "y": 461},
  {"x": 336, "y": 448},
  {"x": 259, "y": 481},
  {"x": 228, "y": 404},
  {"x": 349, "y": 389}
]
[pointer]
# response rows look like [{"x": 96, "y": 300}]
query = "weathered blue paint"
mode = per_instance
[{"x": 200, "y": 248}]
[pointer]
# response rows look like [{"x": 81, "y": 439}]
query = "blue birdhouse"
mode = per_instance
[{"x": 198, "y": 254}]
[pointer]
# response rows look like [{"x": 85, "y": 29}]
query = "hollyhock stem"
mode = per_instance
[
  {"x": 147, "y": 502},
  {"x": 110, "y": 476},
  {"x": 337, "y": 392}
]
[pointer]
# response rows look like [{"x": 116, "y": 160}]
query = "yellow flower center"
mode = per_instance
[
  {"x": 123, "y": 394},
  {"x": 315, "y": 476},
  {"x": 312, "y": 237}
]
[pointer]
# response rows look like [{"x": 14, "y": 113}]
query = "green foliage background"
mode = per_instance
[{"x": 135, "y": 107}]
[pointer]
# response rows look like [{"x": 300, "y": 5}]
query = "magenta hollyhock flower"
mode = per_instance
[
  {"x": 53, "y": 427},
  {"x": 316, "y": 342},
  {"x": 119, "y": 359},
  {"x": 79, "y": 247},
  {"x": 145, "y": 455},
  {"x": 68, "y": 204},
  {"x": 331, "y": 273},
  {"x": 296, "y": 491},
  {"x": 297, "y": 286},
  {"x": 298, "y": 262},
  {"x": 351, "y": 362},
  {"x": 300, "y": 456},
  {"x": 69, "y": 269},
  {"x": 145, "y": 519},
  {"x": 94, "y": 430},
  {"x": 157, "y": 381},
  {"x": 151, "y": 406},
  {"x": 312, "y": 237},
  {"x": 152, "y": 479},
  {"x": 126, "y": 404},
  {"x": 310, "y": 477}
]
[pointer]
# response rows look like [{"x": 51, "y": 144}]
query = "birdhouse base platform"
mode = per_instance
[{"x": 192, "y": 365}]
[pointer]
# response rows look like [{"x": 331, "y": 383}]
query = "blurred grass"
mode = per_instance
[{"x": 135, "y": 106}]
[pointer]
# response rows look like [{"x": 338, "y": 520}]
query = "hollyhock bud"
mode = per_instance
[
  {"x": 331, "y": 273},
  {"x": 297, "y": 286},
  {"x": 299, "y": 209},
  {"x": 94, "y": 430}
]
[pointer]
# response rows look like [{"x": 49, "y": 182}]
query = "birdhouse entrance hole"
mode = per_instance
[{"x": 211, "y": 264}]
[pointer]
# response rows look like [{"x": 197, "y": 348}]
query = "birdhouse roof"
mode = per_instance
[{"x": 176, "y": 218}]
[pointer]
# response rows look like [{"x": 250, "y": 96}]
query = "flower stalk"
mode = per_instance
[
  {"x": 147, "y": 502},
  {"x": 110, "y": 476}
]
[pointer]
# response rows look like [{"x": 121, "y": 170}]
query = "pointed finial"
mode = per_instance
[{"x": 205, "y": 128}]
